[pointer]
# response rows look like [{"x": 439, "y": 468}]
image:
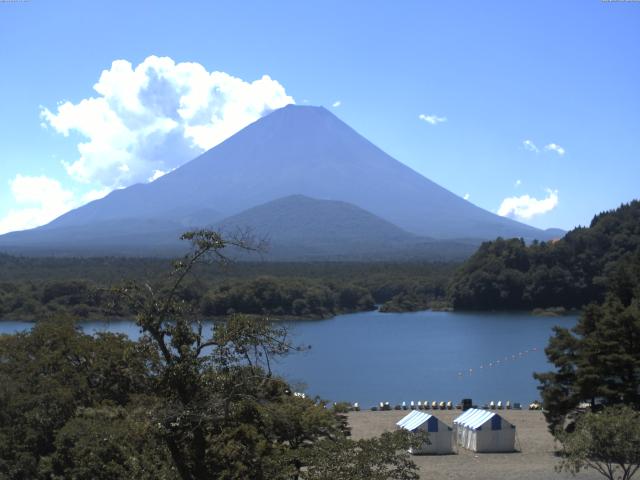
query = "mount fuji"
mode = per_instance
[{"x": 298, "y": 159}]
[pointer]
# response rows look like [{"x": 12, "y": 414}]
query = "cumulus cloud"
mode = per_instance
[
  {"x": 38, "y": 200},
  {"x": 336, "y": 104},
  {"x": 518, "y": 183},
  {"x": 554, "y": 147},
  {"x": 525, "y": 206},
  {"x": 529, "y": 145},
  {"x": 432, "y": 119},
  {"x": 153, "y": 117},
  {"x": 466, "y": 196}
]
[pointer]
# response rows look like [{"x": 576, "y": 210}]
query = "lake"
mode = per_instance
[{"x": 371, "y": 357}]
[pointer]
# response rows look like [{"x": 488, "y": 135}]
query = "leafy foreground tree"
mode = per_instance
[
  {"x": 598, "y": 361},
  {"x": 598, "y": 364},
  {"x": 370, "y": 459},
  {"x": 47, "y": 376},
  {"x": 185, "y": 401},
  {"x": 607, "y": 442}
]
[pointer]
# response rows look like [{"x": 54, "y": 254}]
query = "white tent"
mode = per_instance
[
  {"x": 439, "y": 434},
  {"x": 484, "y": 431}
]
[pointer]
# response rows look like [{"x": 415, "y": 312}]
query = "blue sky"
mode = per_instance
[{"x": 530, "y": 109}]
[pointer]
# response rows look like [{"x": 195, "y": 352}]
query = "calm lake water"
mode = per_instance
[{"x": 372, "y": 357}]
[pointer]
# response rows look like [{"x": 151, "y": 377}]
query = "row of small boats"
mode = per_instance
[
  {"x": 448, "y": 405},
  {"x": 419, "y": 405},
  {"x": 500, "y": 406}
]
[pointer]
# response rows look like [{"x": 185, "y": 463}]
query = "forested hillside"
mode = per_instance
[{"x": 571, "y": 272}]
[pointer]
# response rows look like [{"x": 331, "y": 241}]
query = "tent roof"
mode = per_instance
[
  {"x": 413, "y": 420},
  {"x": 460, "y": 419},
  {"x": 475, "y": 418}
]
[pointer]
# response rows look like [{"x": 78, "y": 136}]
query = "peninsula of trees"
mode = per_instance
[{"x": 571, "y": 272}]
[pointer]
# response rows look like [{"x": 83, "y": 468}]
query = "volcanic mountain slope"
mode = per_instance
[
  {"x": 296, "y": 150},
  {"x": 303, "y": 228}
]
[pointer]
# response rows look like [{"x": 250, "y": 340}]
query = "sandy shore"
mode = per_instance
[{"x": 534, "y": 460}]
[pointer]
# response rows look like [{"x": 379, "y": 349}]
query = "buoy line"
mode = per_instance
[{"x": 499, "y": 362}]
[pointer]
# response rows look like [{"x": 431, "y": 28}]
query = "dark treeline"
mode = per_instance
[
  {"x": 45, "y": 287},
  {"x": 570, "y": 273},
  {"x": 116, "y": 269}
]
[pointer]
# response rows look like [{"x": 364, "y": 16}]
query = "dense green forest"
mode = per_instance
[
  {"x": 570, "y": 272},
  {"x": 33, "y": 288}
]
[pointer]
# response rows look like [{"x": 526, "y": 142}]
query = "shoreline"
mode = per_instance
[{"x": 535, "y": 312}]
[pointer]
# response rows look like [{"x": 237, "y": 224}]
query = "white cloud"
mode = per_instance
[
  {"x": 156, "y": 175},
  {"x": 466, "y": 196},
  {"x": 551, "y": 147},
  {"x": 39, "y": 200},
  {"x": 554, "y": 147},
  {"x": 92, "y": 195},
  {"x": 525, "y": 206},
  {"x": 432, "y": 119},
  {"x": 336, "y": 104},
  {"x": 529, "y": 145},
  {"x": 156, "y": 116},
  {"x": 518, "y": 183}
]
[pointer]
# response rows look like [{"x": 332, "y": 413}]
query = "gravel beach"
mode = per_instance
[{"x": 534, "y": 459}]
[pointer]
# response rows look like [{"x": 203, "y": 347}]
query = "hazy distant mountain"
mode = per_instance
[
  {"x": 554, "y": 233},
  {"x": 300, "y": 219},
  {"x": 299, "y": 227},
  {"x": 297, "y": 150}
]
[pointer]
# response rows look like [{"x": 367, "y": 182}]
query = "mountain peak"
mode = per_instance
[
  {"x": 298, "y": 118},
  {"x": 293, "y": 107}
]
